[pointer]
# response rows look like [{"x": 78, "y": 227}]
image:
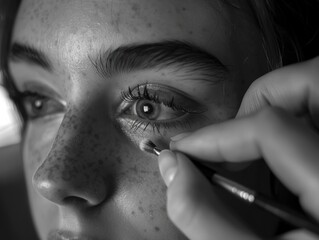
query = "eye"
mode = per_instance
[
  {"x": 158, "y": 106},
  {"x": 39, "y": 106},
  {"x": 150, "y": 110}
]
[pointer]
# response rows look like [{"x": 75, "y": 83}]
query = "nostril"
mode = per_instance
[{"x": 75, "y": 201}]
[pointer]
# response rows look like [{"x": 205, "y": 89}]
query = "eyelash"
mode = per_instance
[{"x": 129, "y": 97}]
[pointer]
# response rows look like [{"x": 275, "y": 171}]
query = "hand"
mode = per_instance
[{"x": 267, "y": 127}]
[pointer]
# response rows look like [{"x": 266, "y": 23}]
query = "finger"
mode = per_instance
[
  {"x": 294, "y": 88},
  {"x": 290, "y": 149},
  {"x": 192, "y": 204},
  {"x": 298, "y": 235}
]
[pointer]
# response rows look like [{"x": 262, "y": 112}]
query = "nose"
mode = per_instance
[
  {"x": 71, "y": 174},
  {"x": 64, "y": 192}
]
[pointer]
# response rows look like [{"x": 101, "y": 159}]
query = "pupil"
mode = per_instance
[
  {"x": 147, "y": 108},
  {"x": 38, "y": 104}
]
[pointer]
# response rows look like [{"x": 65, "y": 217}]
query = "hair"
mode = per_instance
[{"x": 288, "y": 28}]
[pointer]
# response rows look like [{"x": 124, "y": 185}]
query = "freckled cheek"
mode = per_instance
[
  {"x": 142, "y": 193},
  {"x": 37, "y": 144}
]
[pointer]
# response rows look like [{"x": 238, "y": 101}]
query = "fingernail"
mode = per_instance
[
  {"x": 180, "y": 136},
  {"x": 168, "y": 166}
]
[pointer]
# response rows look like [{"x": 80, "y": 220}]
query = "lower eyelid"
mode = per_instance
[{"x": 185, "y": 122}]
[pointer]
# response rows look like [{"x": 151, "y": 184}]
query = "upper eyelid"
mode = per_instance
[
  {"x": 40, "y": 89},
  {"x": 189, "y": 104}
]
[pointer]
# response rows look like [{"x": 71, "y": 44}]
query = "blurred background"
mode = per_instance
[
  {"x": 15, "y": 219},
  {"x": 10, "y": 124}
]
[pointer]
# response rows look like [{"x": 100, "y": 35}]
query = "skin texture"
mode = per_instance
[{"x": 84, "y": 172}]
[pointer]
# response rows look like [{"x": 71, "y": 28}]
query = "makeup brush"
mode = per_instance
[{"x": 294, "y": 217}]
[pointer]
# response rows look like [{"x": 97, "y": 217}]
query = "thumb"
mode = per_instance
[{"x": 192, "y": 203}]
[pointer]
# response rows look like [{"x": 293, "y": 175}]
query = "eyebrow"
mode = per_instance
[
  {"x": 21, "y": 52},
  {"x": 178, "y": 55}
]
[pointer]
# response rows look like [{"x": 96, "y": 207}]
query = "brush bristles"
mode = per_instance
[
  {"x": 147, "y": 146},
  {"x": 150, "y": 147}
]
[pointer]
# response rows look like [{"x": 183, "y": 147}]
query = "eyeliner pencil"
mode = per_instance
[{"x": 250, "y": 196}]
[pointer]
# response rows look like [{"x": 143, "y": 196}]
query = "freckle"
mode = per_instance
[
  {"x": 151, "y": 213},
  {"x": 190, "y": 32},
  {"x": 89, "y": 165},
  {"x": 36, "y": 13},
  {"x": 136, "y": 8},
  {"x": 157, "y": 229},
  {"x": 141, "y": 209},
  {"x": 133, "y": 212},
  {"x": 149, "y": 25},
  {"x": 134, "y": 169},
  {"x": 119, "y": 160},
  {"x": 145, "y": 230},
  {"x": 184, "y": 9}
]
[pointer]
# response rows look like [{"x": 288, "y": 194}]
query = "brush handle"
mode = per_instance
[
  {"x": 294, "y": 217},
  {"x": 286, "y": 213}
]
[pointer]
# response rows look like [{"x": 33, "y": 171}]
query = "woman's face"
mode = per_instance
[{"x": 99, "y": 77}]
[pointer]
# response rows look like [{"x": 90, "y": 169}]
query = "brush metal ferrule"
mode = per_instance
[{"x": 157, "y": 151}]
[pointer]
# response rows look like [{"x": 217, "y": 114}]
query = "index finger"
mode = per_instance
[
  {"x": 290, "y": 150},
  {"x": 294, "y": 88}
]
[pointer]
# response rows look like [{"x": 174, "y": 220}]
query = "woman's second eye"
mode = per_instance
[
  {"x": 149, "y": 110},
  {"x": 39, "y": 106}
]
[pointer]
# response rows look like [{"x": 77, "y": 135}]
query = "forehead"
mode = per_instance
[
  {"x": 118, "y": 15},
  {"x": 69, "y": 28}
]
